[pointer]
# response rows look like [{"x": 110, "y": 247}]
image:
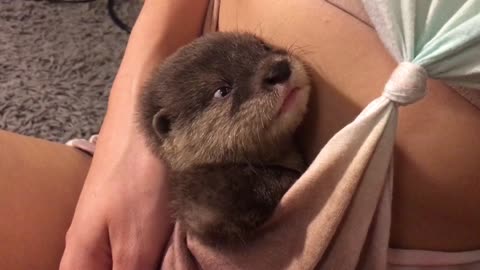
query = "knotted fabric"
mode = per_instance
[{"x": 407, "y": 84}]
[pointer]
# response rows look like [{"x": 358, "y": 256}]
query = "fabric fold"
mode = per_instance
[{"x": 407, "y": 84}]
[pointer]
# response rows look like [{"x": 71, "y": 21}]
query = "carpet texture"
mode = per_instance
[{"x": 57, "y": 64}]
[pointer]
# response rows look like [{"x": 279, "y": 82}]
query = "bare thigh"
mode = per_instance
[{"x": 40, "y": 183}]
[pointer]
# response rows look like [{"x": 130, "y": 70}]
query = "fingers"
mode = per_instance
[
  {"x": 87, "y": 251},
  {"x": 84, "y": 257},
  {"x": 139, "y": 236},
  {"x": 87, "y": 245}
]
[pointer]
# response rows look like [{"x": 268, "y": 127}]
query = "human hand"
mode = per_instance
[{"x": 121, "y": 220}]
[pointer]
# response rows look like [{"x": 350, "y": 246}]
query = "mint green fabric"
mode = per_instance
[{"x": 442, "y": 36}]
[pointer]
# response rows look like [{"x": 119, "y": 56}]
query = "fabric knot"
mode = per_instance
[{"x": 407, "y": 84}]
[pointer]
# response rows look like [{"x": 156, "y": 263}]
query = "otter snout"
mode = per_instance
[{"x": 279, "y": 73}]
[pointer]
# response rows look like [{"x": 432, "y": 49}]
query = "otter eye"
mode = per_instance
[{"x": 223, "y": 92}]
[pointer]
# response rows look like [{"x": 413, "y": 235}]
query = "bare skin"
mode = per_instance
[
  {"x": 40, "y": 183},
  {"x": 436, "y": 184}
]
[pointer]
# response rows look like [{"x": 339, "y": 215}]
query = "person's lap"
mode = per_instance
[{"x": 40, "y": 182}]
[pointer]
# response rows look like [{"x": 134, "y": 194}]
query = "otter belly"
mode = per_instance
[{"x": 226, "y": 203}]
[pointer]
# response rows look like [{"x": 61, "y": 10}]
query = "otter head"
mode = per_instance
[{"x": 225, "y": 97}]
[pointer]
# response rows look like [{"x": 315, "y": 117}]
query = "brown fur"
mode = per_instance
[{"x": 231, "y": 158}]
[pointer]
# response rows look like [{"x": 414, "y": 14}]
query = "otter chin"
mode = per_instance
[{"x": 221, "y": 112}]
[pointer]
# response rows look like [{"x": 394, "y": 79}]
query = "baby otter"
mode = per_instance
[{"x": 222, "y": 111}]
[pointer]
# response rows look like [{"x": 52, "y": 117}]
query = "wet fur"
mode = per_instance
[{"x": 230, "y": 159}]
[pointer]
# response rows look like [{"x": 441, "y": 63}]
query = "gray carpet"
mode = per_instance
[{"x": 57, "y": 63}]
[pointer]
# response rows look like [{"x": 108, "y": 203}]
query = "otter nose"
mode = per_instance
[{"x": 280, "y": 73}]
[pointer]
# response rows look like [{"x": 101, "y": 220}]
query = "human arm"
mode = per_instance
[{"x": 121, "y": 220}]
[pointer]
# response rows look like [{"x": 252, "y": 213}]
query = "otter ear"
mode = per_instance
[{"x": 161, "y": 124}]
